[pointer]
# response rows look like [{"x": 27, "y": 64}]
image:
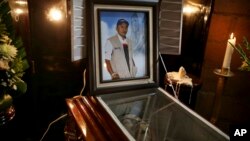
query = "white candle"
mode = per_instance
[{"x": 229, "y": 52}]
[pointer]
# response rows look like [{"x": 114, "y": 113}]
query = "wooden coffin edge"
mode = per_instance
[{"x": 93, "y": 121}]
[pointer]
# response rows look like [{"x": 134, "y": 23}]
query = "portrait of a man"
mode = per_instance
[
  {"x": 123, "y": 45},
  {"x": 119, "y": 53}
]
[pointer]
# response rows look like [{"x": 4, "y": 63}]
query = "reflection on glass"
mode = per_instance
[{"x": 153, "y": 116}]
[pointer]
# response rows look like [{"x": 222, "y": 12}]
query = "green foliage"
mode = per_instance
[
  {"x": 6, "y": 19},
  {"x": 244, "y": 52},
  {"x": 13, "y": 62}
]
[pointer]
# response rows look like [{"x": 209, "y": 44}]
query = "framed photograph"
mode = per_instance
[{"x": 123, "y": 46}]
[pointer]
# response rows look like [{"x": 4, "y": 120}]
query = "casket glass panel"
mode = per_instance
[{"x": 154, "y": 115}]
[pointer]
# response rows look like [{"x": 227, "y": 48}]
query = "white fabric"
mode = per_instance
[{"x": 184, "y": 80}]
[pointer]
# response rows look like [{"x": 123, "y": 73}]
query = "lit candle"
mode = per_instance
[{"x": 229, "y": 52}]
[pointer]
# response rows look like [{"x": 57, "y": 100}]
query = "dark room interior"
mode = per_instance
[{"x": 56, "y": 68}]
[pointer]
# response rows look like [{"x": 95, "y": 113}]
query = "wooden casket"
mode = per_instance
[{"x": 144, "y": 115}]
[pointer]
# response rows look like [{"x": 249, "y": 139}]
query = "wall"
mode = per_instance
[
  {"x": 55, "y": 77},
  {"x": 194, "y": 35},
  {"x": 52, "y": 76},
  {"x": 228, "y": 16}
]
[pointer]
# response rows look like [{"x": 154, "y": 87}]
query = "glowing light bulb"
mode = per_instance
[
  {"x": 189, "y": 9},
  {"x": 18, "y": 11},
  {"x": 205, "y": 18},
  {"x": 21, "y": 2},
  {"x": 55, "y": 14}
]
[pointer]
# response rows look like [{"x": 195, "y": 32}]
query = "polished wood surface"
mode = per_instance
[{"x": 92, "y": 122}]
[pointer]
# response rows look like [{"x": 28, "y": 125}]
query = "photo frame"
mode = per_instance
[{"x": 139, "y": 68}]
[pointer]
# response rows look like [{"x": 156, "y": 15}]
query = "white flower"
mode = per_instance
[
  {"x": 13, "y": 71},
  {"x": 8, "y": 52},
  {"x": 4, "y": 84},
  {"x": 14, "y": 87}
]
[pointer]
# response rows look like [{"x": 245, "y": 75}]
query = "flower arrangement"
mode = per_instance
[
  {"x": 12, "y": 60},
  {"x": 244, "y": 55}
]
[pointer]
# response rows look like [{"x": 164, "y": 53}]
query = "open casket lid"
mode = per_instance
[{"x": 104, "y": 20}]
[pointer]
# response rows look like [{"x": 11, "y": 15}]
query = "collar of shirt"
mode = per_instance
[{"x": 123, "y": 41}]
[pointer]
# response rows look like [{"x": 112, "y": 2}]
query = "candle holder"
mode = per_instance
[{"x": 223, "y": 74}]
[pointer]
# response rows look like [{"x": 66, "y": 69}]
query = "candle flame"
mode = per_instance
[{"x": 232, "y": 36}]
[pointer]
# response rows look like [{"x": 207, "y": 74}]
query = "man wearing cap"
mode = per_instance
[{"x": 118, "y": 53}]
